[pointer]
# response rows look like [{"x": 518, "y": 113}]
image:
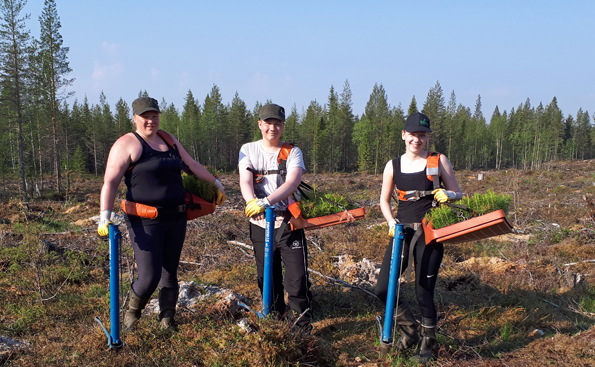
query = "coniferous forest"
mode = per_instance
[{"x": 50, "y": 133}]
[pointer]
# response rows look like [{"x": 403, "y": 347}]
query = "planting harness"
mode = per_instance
[
  {"x": 433, "y": 174},
  {"x": 192, "y": 203},
  {"x": 258, "y": 177}
]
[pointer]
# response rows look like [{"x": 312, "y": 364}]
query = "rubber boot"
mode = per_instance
[
  {"x": 408, "y": 325},
  {"x": 428, "y": 333},
  {"x": 136, "y": 304},
  {"x": 168, "y": 299}
]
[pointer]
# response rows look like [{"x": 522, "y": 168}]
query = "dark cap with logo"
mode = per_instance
[
  {"x": 272, "y": 111},
  {"x": 417, "y": 122},
  {"x": 144, "y": 104}
]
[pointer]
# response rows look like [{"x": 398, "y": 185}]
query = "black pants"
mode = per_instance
[
  {"x": 292, "y": 251},
  {"x": 157, "y": 249},
  {"x": 426, "y": 260}
]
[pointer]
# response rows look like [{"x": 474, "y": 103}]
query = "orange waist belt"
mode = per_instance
[{"x": 139, "y": 210}]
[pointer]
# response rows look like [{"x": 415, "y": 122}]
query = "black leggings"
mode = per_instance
[
  {"x": 157, "y": 249},
  {"x": 426, "y": 260},
  {"x": 292, "y": 251}
]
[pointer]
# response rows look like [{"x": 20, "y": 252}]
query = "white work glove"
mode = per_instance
[
  {"x": 104, "y": 222},
  {"x": 220, "y": 195},
  {"x": 391, "y": 227},
  {"x": 442, "y": 196}
]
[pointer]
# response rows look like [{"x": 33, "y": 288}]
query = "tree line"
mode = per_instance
[{"x": 48, "y": 136}]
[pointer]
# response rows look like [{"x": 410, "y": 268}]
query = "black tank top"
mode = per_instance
[
  {"x": 412, "y": 211},
  {"x": 155, "y": 178}
]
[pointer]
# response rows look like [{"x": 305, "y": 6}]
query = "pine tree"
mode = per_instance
[
  {"x": 346, "y": 124},
  {"x": 15, "y": 52},
  {"x": 377, "y": 113},
  {"x": 238, "y": 130},
  {"x": 190, "y": 127},
  {"x": 122, "y": 117},
  {"x": 412, "y": 106},
  {"x": 56, "y": 67},
  {"x": 333, "y": 134},
  {"x": 434, "y": 108}
]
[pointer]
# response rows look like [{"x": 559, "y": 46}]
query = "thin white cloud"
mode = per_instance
[
  {"x": 107, "y": 72},
  {"x": 260, "y": 83},
  {"x": 110, "y": 49}
]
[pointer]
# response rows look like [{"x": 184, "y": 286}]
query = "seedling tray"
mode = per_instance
[
  {"x": 345, "y": 216},
  {"x": 474, "y": 229},
  {"x": 203, "y": 207}
]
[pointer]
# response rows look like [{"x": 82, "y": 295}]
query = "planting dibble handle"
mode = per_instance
[
  {"x": 114, "y": 340},
  {"x": 267, "y": 284},
  {"x": 393, "y": 290}
]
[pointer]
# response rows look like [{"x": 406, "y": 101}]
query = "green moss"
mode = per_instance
[
  {"x": 202, "y": 189},
  {"x": 478, "y": 204},
  {"x": 321, "y": 203}
]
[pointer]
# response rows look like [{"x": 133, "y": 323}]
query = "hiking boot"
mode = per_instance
[
  {"x": 136, "y": 304},
  {"x": 168, "y": 299},
  {"x": 408, "y": 325},
  {"x": 428, "y": 333}
]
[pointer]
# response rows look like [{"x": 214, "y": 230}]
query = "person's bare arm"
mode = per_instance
[
  {"x": 124, "y": 151},
  {"x": 292, "y": 181},
  {"x": 388, "y": 187},
  {"x": 198, "y": 169},
  {"x": 246, "y": 183},
  {"x": 447, "y": 175}
]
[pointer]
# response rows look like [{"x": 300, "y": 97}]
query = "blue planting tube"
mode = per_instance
[
  {"x": 393, "y": 284},
  {"x": 114, "y": 264},
  {"x": 267, "y": 284}
]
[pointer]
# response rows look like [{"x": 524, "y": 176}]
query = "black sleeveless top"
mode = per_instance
[
  {"x": 412, "y": 211},
  {"x": 155, "y": 178}
]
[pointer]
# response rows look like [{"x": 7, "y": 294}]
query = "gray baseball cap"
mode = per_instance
[
  {"x": 144, "y": 104},
  {"x": 272, "y": 111}
]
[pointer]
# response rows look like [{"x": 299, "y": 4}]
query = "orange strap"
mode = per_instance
[{"x": 139, "y": 210}]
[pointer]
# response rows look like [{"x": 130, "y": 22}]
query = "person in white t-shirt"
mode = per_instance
[{"x": 263, "y": 182}]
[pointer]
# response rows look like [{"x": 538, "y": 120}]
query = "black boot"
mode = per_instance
[
  {"x": 168, "y": 299},
  {"x": 428, "y": 333},
  {"x": 408, "y": 325},
  {"x": 136, "y": 304}
]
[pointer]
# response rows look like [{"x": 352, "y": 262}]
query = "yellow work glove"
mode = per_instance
[
  {"x": 220, "y": 194},
  {"x": 256, "y": 206},
  {"x": 104, "y": 222},
  {"x": 391, "y": 228},
  {"x": 442, "y": 196}
]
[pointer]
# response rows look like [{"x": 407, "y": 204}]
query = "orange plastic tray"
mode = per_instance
[
  {"x": 327, "y": 220},
  {"x": 205, "y": 206},
  {"x": 474, "y": 229}
]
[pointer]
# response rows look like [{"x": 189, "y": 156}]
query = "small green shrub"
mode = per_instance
[
  {"x": 323, "y": 203},
  {"x": 202, "y": 189},
  {"x": 478, "y": 204}
]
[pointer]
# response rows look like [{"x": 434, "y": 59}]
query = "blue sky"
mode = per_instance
[{"x": 291, "y": 52}]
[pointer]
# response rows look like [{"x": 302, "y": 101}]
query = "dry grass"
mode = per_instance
[{"x": 506, "y": 301}]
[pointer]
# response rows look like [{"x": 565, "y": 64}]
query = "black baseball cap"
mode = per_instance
[
  {"x": 144, "y": 104},
  {"x": 417, "y": 122},
  {"x": 271, "y": 111}
]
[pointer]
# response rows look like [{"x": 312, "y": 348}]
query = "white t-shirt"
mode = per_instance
[{"x": 253, "y": 154}]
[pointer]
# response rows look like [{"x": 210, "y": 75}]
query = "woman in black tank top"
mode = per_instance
[
  {"x": 417, "y": 196},
  {"x": 152, "y": 170}
]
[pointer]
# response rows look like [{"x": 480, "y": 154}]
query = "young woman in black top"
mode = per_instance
[{"x": 408, "y": 173}]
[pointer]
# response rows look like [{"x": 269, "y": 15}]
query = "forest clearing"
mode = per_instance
[{"x": 522, "y": 299}]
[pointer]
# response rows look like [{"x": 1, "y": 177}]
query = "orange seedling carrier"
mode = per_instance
[
  {"x": 474, "y": 229},
  {"x": 202, "y": 207},
  {"x": 327, "y": 220}
]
